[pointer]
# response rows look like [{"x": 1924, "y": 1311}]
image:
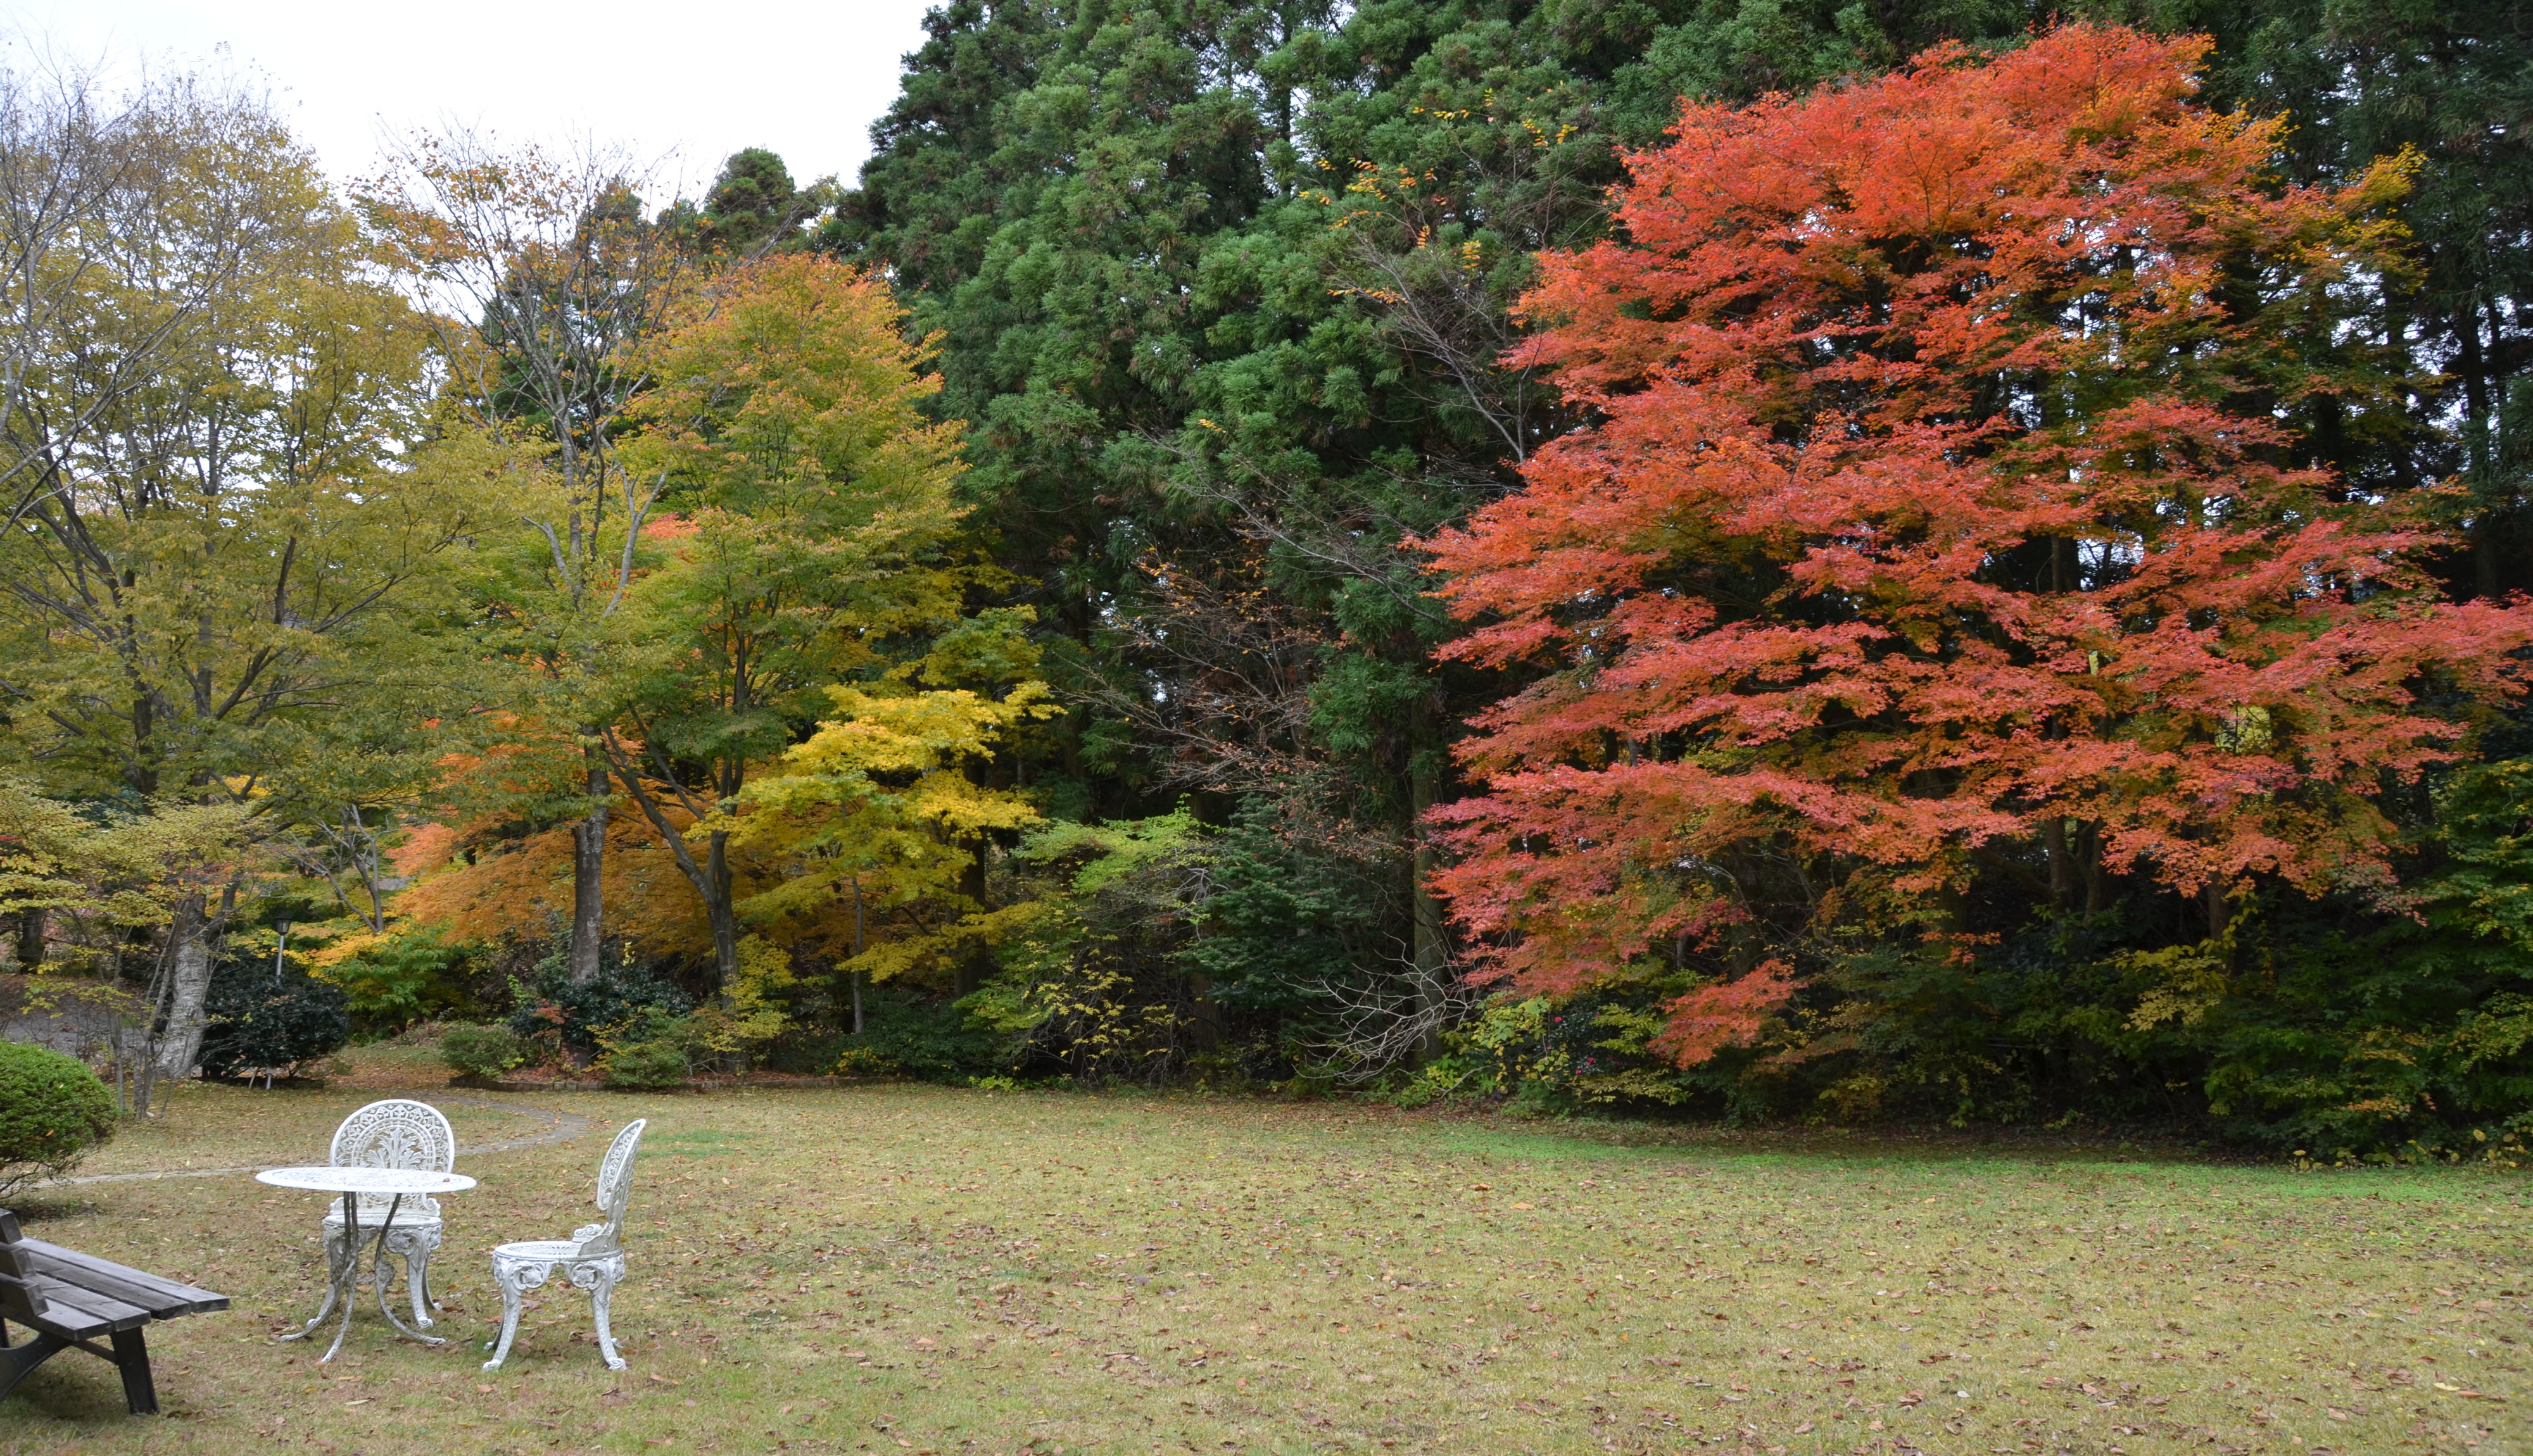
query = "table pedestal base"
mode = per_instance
[{"x": 343, "y": 1282}]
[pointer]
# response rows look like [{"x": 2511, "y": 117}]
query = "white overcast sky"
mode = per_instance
[{"x": 697, "y": 79}]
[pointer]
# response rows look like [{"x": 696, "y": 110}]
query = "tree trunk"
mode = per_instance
[
  {"x": 588, "y": 862},
  {"x": 2479, "y": 448},
  {"x": 1430, "y": 951},
  {"x": 30, "y": 938},
  {"x": 2062, "y": 867},
  {"x": 189, "y": 986},
  {"x": 858, "y": 951},
  {"x": 973, "y": 959},
  {"x": 719, "y": 908},
  {"x": 1204, "y": 1024},
  {"x": 711, "y": 878}
]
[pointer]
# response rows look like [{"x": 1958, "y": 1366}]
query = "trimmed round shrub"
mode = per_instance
[
  {"x": 52, "y": 1111},
  {"x": 482, "y": 1051}
]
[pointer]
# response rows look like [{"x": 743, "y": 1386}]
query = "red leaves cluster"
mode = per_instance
[{"x": 1947, "y": 494}]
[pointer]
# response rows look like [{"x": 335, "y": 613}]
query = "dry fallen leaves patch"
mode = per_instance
[{"x": 916, "y": 1268}]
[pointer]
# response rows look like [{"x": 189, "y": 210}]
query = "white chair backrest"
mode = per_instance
[
  {"x": 615, "y": 1191},
  {"x": 398, "y": 1132}
]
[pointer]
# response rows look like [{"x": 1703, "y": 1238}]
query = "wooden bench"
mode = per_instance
[{"x": 71, "y": 1299}]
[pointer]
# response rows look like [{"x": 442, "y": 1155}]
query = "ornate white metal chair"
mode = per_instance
[
  {"x": 592, "y": 1258},
  {"x": 394, "y": 1133}
]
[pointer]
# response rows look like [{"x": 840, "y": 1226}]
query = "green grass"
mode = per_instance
[
  {"x": 696, "y": 1143},
  {"x": 916, "y": 1269}
]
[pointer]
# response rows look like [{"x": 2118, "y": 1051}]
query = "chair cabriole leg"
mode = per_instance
[
  {"x": 512, "y": 1295},
  {"x": 599, "y": 1296},
  {"x": 336, "y": 1255},
  {"x": 427, "y": 1297},
  {"x": 417, "y": 1284}
]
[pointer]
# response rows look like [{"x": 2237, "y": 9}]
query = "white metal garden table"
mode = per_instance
[{"x": 349, "y": 1183}]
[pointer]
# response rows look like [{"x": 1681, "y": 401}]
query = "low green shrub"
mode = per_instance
[
  {"x": 403, "y": 980},
  {"x": 912, "y": 1037},
  {"x": 651, "y": 1048},
  {"x": 53, "y": 1112},
  {"x": 645, "y": 1065},
  {"x": 862, "y": 1060},
  {"x": 482, "y": 1051},
  {"x": 263, "y": 1016},
  {"x": 1221, "y": 1071},
  {"x": 584, "y": 1018}
]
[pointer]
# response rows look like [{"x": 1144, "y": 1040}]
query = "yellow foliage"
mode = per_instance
[
  {"x": 331, "y": 942},
  {"x": 747, "y": 1014},
  {"x": 879, "y": 809},
  {"x": 2189, "y": 984},
  {"x": 102, "y": 880}
]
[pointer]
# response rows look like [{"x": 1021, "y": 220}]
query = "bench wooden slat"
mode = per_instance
[
  {"x": 73, "y": 1313},
  {"x": 61, "y": 1294},
  {"x": 154, "y": 1303},
  {"x": 164, "y": 1299},
  {"x": 37, "y": 1313}
]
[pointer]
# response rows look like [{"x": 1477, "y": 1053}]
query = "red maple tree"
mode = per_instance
[{"x": 1949, "y": 502}]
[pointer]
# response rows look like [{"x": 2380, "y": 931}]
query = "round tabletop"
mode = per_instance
[{"x": 381, "y": 1181}]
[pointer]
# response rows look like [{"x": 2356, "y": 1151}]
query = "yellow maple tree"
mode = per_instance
[{"x": 873, "y": 832}]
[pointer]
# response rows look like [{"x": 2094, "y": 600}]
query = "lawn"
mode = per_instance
[{"x": 900, "y": 1268}]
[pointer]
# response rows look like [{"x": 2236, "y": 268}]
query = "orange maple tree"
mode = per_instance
[
  {"x": 482, "y": 866},
  {"x": 1949, "y": 501}
]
